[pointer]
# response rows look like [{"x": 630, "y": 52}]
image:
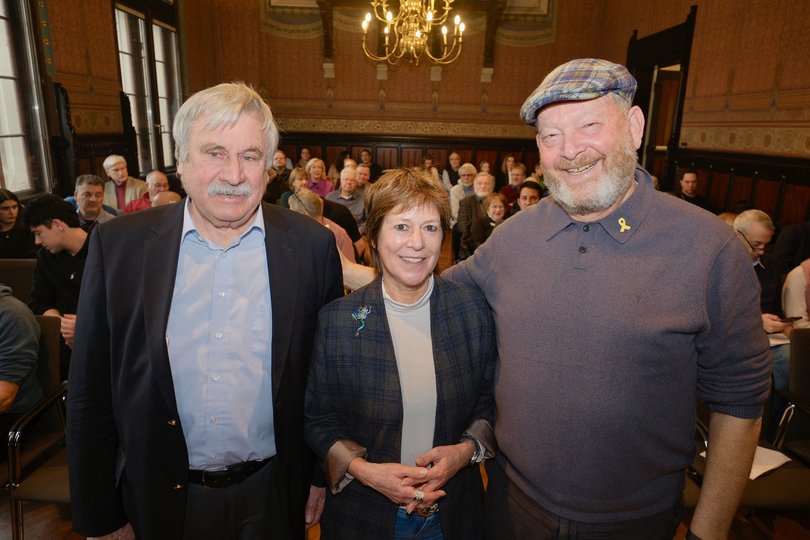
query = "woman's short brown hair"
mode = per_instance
[{"x": 400, "y": 190}]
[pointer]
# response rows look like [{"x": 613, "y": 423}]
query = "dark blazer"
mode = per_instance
[
  {"x": 127, "y": 456},
  {"x": 354, "y": 394},
  {"x": 470, "y": 210}
]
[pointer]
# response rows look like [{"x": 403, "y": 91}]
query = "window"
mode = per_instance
[
  {"x": 149, "y": 59},
  {"x": 24, "y": 161}
]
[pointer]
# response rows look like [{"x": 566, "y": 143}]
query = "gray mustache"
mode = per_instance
[{"x": 224, "y": 188}]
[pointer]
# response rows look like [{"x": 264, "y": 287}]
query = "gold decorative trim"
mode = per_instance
[
  {"x": 788, "y": 141},
  {"x": 96, "y": 121},
  {"x": 405, "y": 128}
]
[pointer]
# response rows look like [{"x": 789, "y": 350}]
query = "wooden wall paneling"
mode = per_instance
[
  {"x": 332, "y": 153},
  {"x": 797, "y": 202},
  {"x": 767, "y": 196},
  {"x": 412, "y": 157},
  {"x": 467, "y": 155},
  {"x": 717, "y": 196},
  {"x": 387, "y": 157},
  {"x": 487, "y": 155},
  {"x": 290, "y": 151},
  {"x": 439, "y": 156},
  {"x": 740, "y": 192}
]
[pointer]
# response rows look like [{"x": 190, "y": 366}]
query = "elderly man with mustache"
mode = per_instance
[{"x": 187, "y": 390}]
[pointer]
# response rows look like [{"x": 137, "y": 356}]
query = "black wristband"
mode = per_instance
[{"x": 691, "y": 536}]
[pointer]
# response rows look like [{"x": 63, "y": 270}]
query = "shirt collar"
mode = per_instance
[
  {"x": 189, "y": 226},
  {"x": 623, "y": 222}
]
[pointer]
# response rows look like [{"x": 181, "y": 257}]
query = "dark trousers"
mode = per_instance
[
  {"x": 253, "y": 509},
  {"x": 512, "y": 515}
]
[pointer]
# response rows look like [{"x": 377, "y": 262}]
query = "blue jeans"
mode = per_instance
[{"x": 417, "y": 527}]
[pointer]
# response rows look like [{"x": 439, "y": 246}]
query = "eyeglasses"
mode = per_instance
[{"x": 755, "y": 246}]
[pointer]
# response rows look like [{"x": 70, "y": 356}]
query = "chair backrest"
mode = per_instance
[
  {"x": 50, "y": 346},
  {"x": 19, "y": 275},
  {"x": 799, "y": 379}
]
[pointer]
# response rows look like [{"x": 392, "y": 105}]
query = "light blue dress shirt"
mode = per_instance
[{"x": 219, "y": 338}]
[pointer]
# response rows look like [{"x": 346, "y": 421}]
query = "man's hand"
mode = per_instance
[
  {"x": 68, "y": 328},
  {"x": 314, "y": 508},
  {"x": 124, "y": 533},
  {"x": 772, "y": 324}
]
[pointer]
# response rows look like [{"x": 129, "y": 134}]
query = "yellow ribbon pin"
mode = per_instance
[{"x": 623, "y": 224}]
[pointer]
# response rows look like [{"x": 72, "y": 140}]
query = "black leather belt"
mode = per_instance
[{"x": 229, "y": 476}]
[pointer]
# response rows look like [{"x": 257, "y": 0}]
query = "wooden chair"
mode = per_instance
[
  {"x": 786, "y": 487},
  {"x": 793, "y": 433},
  {"x": 19, "y": 275},
  {"x": 37, "y": 458}
]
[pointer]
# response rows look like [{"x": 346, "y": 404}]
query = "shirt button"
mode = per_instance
[
  {"x": 178, "y": 487},
  {"x": 213, "y": 420},
  {"x": 586, "y": 228},
  {"x": 221, "y": 294},
  {"x": 215, "y": 378},
  {"x": 583, "y": 249},
  {"x": 218, "y": 335}
]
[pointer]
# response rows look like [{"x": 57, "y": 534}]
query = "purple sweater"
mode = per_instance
[{"x": 607, "y": 334}]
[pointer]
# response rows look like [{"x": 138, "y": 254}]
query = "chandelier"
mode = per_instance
[{"x": 412, "y": 33}]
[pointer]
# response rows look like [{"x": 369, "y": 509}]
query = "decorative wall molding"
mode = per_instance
[
  {"x": 774, "y": 140},
  {"x": 86, "y": 120},
  {"x": 404, "y": 128}
]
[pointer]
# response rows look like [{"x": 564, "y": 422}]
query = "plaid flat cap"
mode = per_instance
[{"x": 579, "y": 80}]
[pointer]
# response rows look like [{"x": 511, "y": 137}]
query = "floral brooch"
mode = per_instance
[{"x": 360, "y": 315}]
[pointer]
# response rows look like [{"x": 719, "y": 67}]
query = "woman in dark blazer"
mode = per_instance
[{"x": 399, "y": 406}]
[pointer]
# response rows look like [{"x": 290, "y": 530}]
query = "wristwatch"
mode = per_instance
[{"x": 478, "y": 452}]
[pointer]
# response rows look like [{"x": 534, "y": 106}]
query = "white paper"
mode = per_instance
[{"x": 764, "y": 460}]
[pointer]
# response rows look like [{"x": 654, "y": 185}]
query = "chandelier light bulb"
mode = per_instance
[{"x": 457, "y": 20}]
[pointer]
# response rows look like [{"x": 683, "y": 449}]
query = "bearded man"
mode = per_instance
[{"x": 595, "y": 426}]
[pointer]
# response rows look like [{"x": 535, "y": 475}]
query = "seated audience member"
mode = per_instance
[
  {"x": 472, "y": 209},
  {"x": 450, "y": 173},
  {"x": 19, "y": 387},
  {"x": 495, "y": 205},
  {"x": 755, "y": 230},
  {"x": 304, "y": 157},
  {"x": 89, "y": 193},
  {"x": 16, "y": 241},
  {"x": 537, "y": 176},
  {"x": 156, "y": 182},
  {"x": 60, "y": 262},
  {"x": 363, "y": 176},
  {"x": 122, "y": 189},
  {"x": 298, "y": 180},
  {"x": 484, "y": 166},
  {"x": 792, "y": 246},
  {"x": 689, "y": 193},
  {"x": 278, "y": 179},
  {"x": 463, "y": 189},
  {"x": 308, "y": 203},
  {"x": 375, "y": 169},
  {"x": 338, "y": 164},
  {"x": 796, "y": 294},
  {"x": 502, "y": 174},
  {"x": 530, "y": 193},
  {"x": 427, "y": 166},
  {"x": 517, "y": 175},
  {"x": 347, "y": 197},
  {"x": 166, "y": 197},
  {"x": 317, "y": 181}
]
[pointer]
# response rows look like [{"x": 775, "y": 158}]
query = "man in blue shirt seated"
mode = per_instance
[{"x": 19, "y": 388}]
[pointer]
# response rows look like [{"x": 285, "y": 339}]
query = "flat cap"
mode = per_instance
[{"x": 579, "y": 80}]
